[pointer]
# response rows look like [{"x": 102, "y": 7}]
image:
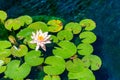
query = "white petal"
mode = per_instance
[
  {"x": 46, "y": 38},
  {"x": 37, "y": 47},
  {"x": 43, "y": 47},
  {"x": 47, "y": 42},
  {"x": 40, "y": 32},
  {"x": 45, "y": 34}
]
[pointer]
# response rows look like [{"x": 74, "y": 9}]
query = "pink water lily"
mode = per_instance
[{"x": 40, "y": 39}]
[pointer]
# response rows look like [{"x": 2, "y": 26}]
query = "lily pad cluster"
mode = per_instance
[{"x": 70, "y": 50}]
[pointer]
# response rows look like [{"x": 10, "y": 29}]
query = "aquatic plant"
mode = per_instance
[{"x": 51, "y": 47}]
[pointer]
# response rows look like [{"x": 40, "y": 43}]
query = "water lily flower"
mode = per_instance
[{"x": 40, "y": 39}]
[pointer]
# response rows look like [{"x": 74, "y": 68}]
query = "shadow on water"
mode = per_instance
[{"x": 106, "y": 14}]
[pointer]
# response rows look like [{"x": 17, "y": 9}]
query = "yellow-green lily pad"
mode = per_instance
[
  {"x": 3, "y": 15},
  {"x": 2, "y": 69},
  {"x": 48, "y": 77},
  {"x": 5, "y": 44}
]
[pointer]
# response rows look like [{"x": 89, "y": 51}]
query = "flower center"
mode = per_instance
[{"x": 40, "y": 38}]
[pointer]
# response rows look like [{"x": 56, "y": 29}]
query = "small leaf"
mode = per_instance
[
  {"x": 5, "y": 44},
  {"x": 39, "y": 26},
  {"x": 2, "y": 69},
  {"x": 55, "y": 65},
  {"x": 88, "y": 37},
  {"x": 74, "y": 66},
  {"x": 56, "y": 78},
  {"x": 19, "y": 52},
  {"x": 55, "y": 25},
  {"x": 74, "y": 27},
  {"x": 16, "y": 71},
  {"x": 3, "y": 15},
  {"x": 85, "y": 49},
  {"x": 65, "y": 35},
  {"x": 33, "y": 58},
  {"x": 6, "y": 60},
  {"x": 66, "y": 49},
  {"x": 85, "y": 74},
  {"x": 54, "y": 38},
  {"x": 47, "y": 77},
  {"x": 89, "y": 24},
  {"x": 5, "y": 53},
  {"x": 94, "y": 61}
]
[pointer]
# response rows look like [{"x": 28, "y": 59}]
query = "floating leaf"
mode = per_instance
[
  {"x": 92, "y": 60},
  {"x": 25, "y": 33},
  {"x": 5, "y": 53},
  {"x": 39, "y": 26},
  {"x": 33, "y": 58},
  {"x": 89, "y": 24},
  {"x": 85, "y": 74},
  {"x": 25, "y": 19},
  {"x": 75, "y": 65},
  {"x": 66, "y": 49},
  {"x": 48, "y": 77},
  {"x": 5, "y": 44},
  {"x": 55, "y": 25},
  {"x": 14, "y": 24},
  {"x": 55, "y": 65},
  {"x": 85, "y": 49},
  {"x": 12, "y": 39},
  {"x": 19, "y": 52},
  {"x": 56, "y": 78},
  {"x": 65, "y": 35},
  {"x": 54, "y": 38},
  {"x": 16, "y": 71},
  {"x": 3, "y": 15},
  {"x": 5, "y": 60},
  {"x": 2, "y": 69},
  {"x": 74, "y": 27},
  {"x": 87, "y": 37}
]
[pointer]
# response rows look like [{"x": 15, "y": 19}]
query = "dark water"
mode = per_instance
[{"x": 106, "y": 14}]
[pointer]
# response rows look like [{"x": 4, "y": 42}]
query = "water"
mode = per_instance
[{"x": 106, "y": 14}]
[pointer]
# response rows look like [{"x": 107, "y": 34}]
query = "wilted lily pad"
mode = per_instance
[
  {"x": 3, "y": 15},
  {"x": 66, "y": 49},
  {"x": 16, "y": 71},
  {"x": 54, "y": 65},
  {"x": 48, "y": 77},
  {"x": 74, "y": 27},
  {"x": 33, "y": 58},
  {"x": 89, "y": 24},
  {"x": 65, "y": 35},
  {"x": 39, "y": 26},
  {"x": 74, "y": 66},
  {"x": 55, "y": 25},
  {"x": 5, "y": 44},
  {"x": 85, "y": 49},
  {"x": 87, "y": 37},
  {"x": 93, "y": 61},
  {"x": 19, "y": 52},
  {"x": 85, "y": 74}
]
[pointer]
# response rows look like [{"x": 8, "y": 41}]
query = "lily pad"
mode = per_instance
[
  {"x": 14, "y": 24},
  {"x": 66, "y": 49},
  {"x": 16, "y": 71},
  {"x": 55, "y": 65},
  {"x": 88, "y": 37},
  {"x": 65, "y": 35},
  {"x": 2, "y": 69},
  {"x": 85, "y": 74},
  {"x": 85, "y": 49},
  {"x": 54, "y": 38},
  {"x": 55, "y": 25},
  {"x": 39, "y": 26},
  {"x": 3, "y": 15},
  {"x": 5, "y": 60},
  {"x": 48, "y": 77},
  {"x": 89, "y": 24},
  {"x": 19, "y": 52},
  {"x": 74, "y": 27},
  {"x": 5, "y": 44},
  {"x": 75, "y": 65},
  {"x": 93, "y": 61},
  {"x": 33, "y": 58}
]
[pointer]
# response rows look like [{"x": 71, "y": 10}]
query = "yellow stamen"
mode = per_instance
[{"x": 40, "y": 38}]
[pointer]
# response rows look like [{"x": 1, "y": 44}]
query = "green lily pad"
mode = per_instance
[
  {"x": 14, "y": 24},
  {"x": 88, "y": 37},
  {"x": 39, "y": 26},
  {"x": 48, "y": 77},
  {"x": 5, "y": 60},
  {"x": 75, "y": 65},
  {"x": 66, "y": 49},
  {"x": 5, "y": 44},
  {"x": 16, "y": 71},
  {"x": 3, "y": 15},
  {"x": 19, "y": 52},
  {"x": 25, "y": 33},
  {"x": 85, "y": 74},
  {"x": 25, "y": 19},
  {"x": 55, "y": 25},
  {"x": 89, "y": 24},
  {"x": 54, "y": 38},
  {"x": 5, "y": 53},
  {"x": 33, "y": 58},
  {"x": 74, "y": 27},
  {"x": 55, "y": 65},
  {"x": 2, "y": 69},
  {"x": 65, "y": 35},
  {"x": 85, "y": 49},
  {"x": 93, "y": 61}
]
